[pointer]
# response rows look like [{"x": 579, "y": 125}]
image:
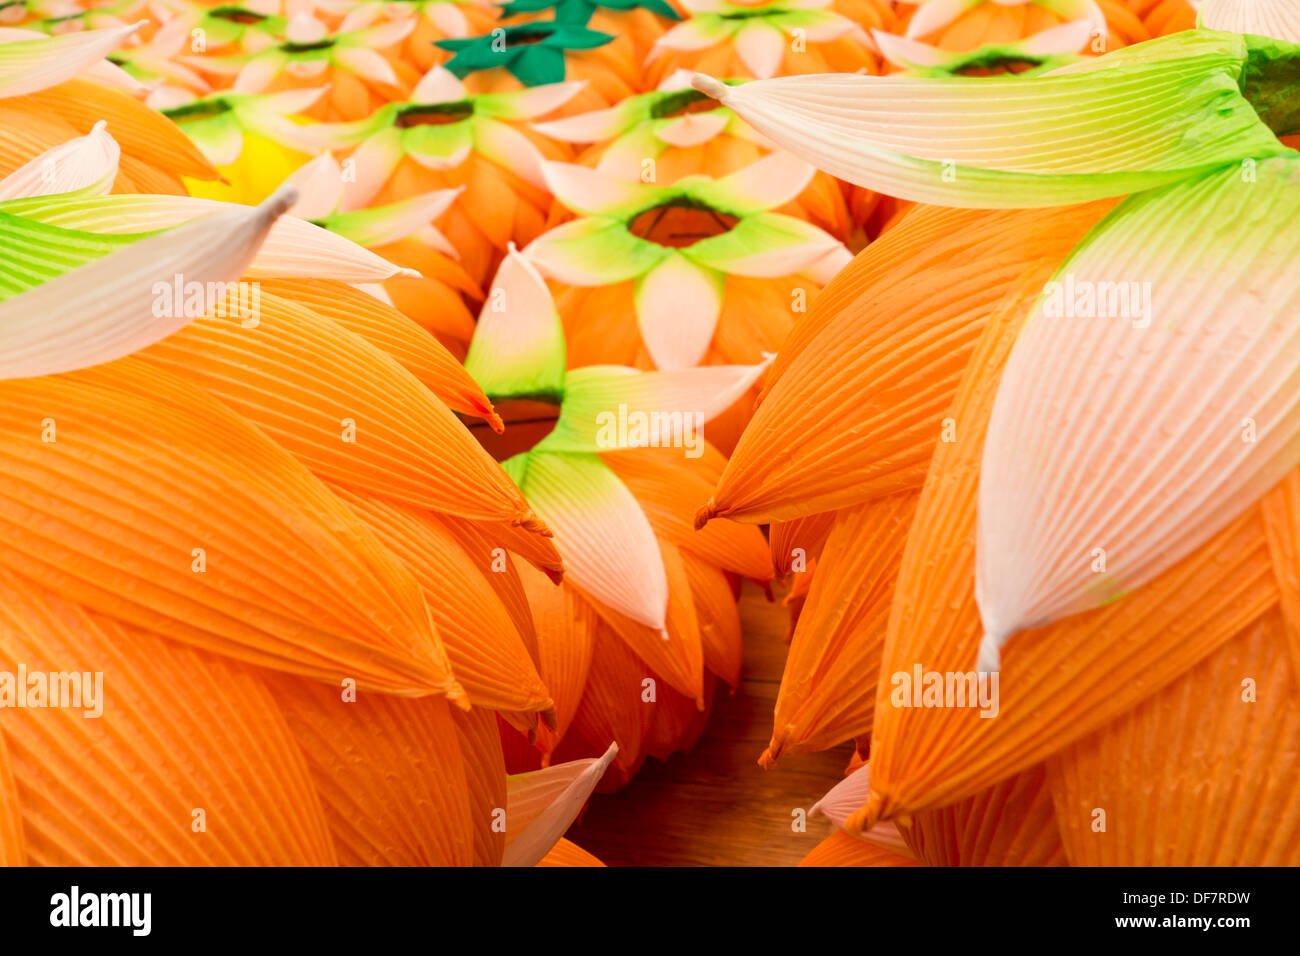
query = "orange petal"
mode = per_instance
[
  {"x": 484, "y": 543},
  {"x": 344, "y": 408},
  {"x": 487, "y": 654},
  {"x": 190, "y": 763},
  {"x": 1010, "y": 824},
  {"x": 677, "y": 652},
  {"x": 388, "y": 771},
  {"x": 719, "y": 619},
  {"x": 828, "y": 691},
  {"x": 1280, "y": 509},
  {"x": 13, "y": 848},
  {"x": 923, "y": 756},
  {"x": 142, "y": 132},
  {"x": 566, "y": 853},
  {"x": 863, "y": 383},
  {"x": 565, "y": 624},
  {"x": 151, "y": 502},
  {"x": 844, "y": 849},
  {"x": 384, "y": 327},
  {"x": 485, "y": 776},
  {"x": 1203, "y": 773},
  {"x": 799, "y": 541},
  {"x": 664, "y": 483},
  {"x": 615, "y": 704}
]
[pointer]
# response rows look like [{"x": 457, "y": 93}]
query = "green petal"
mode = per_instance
[
  {"x": 594, "y": 252},
  {"x": 1271, "y": 83},
  {"x": 36, "y": 253},
  {"x": 518, "y": 345},
  {"x": 1143, "y": 117}
]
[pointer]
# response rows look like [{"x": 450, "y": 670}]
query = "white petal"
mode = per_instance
[
  {"x": 541, "y": 806},
  {"x": 111, "y": 307},
  {"x": 88, "y": 162}
]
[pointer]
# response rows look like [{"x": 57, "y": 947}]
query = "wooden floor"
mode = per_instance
[{"x": 714, "y": 806}]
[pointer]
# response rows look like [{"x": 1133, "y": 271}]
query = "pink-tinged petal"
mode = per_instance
[
  {"x": 766, "y": 246},
  {"x": 372, "y": 163},
  {"x": 304, "y": 28},
  {"x": 593, "y": 127},
  {"x": 306, "y": 69},
  {"x": 828, "y": 266},
  {"x": 86, "y": 163},
  {"x": 508, "y": 148},
  {"x": 220, "y": 65},
  {"x": 439, "y": 85},
  {"x": 357, "y": 18},
  {"x": 676, "y": 80},
  {"x": 846, "y": 798},
  {"x": 593, "y": 193},
  {"x": 367, "y": 64},
  {"x": 692, "y": 35},
  {"x": 283, "y": 103},
  {"x": 381, "y": 225},
  {"x": 761, "y": 47},
  {"x": 259, "y": 72},
  {"x": 294, "y": 249},
  {"x": 677, "y": 308},
  {"x": 626, "y": 155},
  {"x": 518, "y": 345},
  {"x": 434, "y": 239},
  {"x": 771, "y": 181},
  {"x": 27, "y": 66},
  {"x": 320, "y": 185},
  {"x": 684, "y": 400},
  {"x": 110, "y": 74},
  {"x": 693, "y": 129},
  {"x": 1279, "y": 19},
  {"x": 593, "y": 252},
  {"x": 542, "y": 805},
  {"x": 110, "y": 308},
  {"x": 1066, "y": 38},
  {"x": 908, "y": 54},
  {"x": 448, "y": 19},
  {"x": 1152, "y": 396},
  {"x": 384, "y": 35},
  {"x": 168, "y": 97},
  {"x": 832, "y": 26},
  {"x": 528, "y": 103},
  {"x": 707, "y": 6},
  {"x": 934, "y": 15},
  {"x": 603, "y": 536}
]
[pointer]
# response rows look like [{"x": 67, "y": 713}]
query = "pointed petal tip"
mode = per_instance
[
  {"x": 989, "y": 660},
  {"x": 860, "y": 821},
  {"x": 279, "y": 202},
  {"x": 705, "y": 514},
  {"x": 529, "y": 521},
  {"x": 710, "y": 87}
]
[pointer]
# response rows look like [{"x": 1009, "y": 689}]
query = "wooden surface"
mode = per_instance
[{"x": 715, "y": 806}]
